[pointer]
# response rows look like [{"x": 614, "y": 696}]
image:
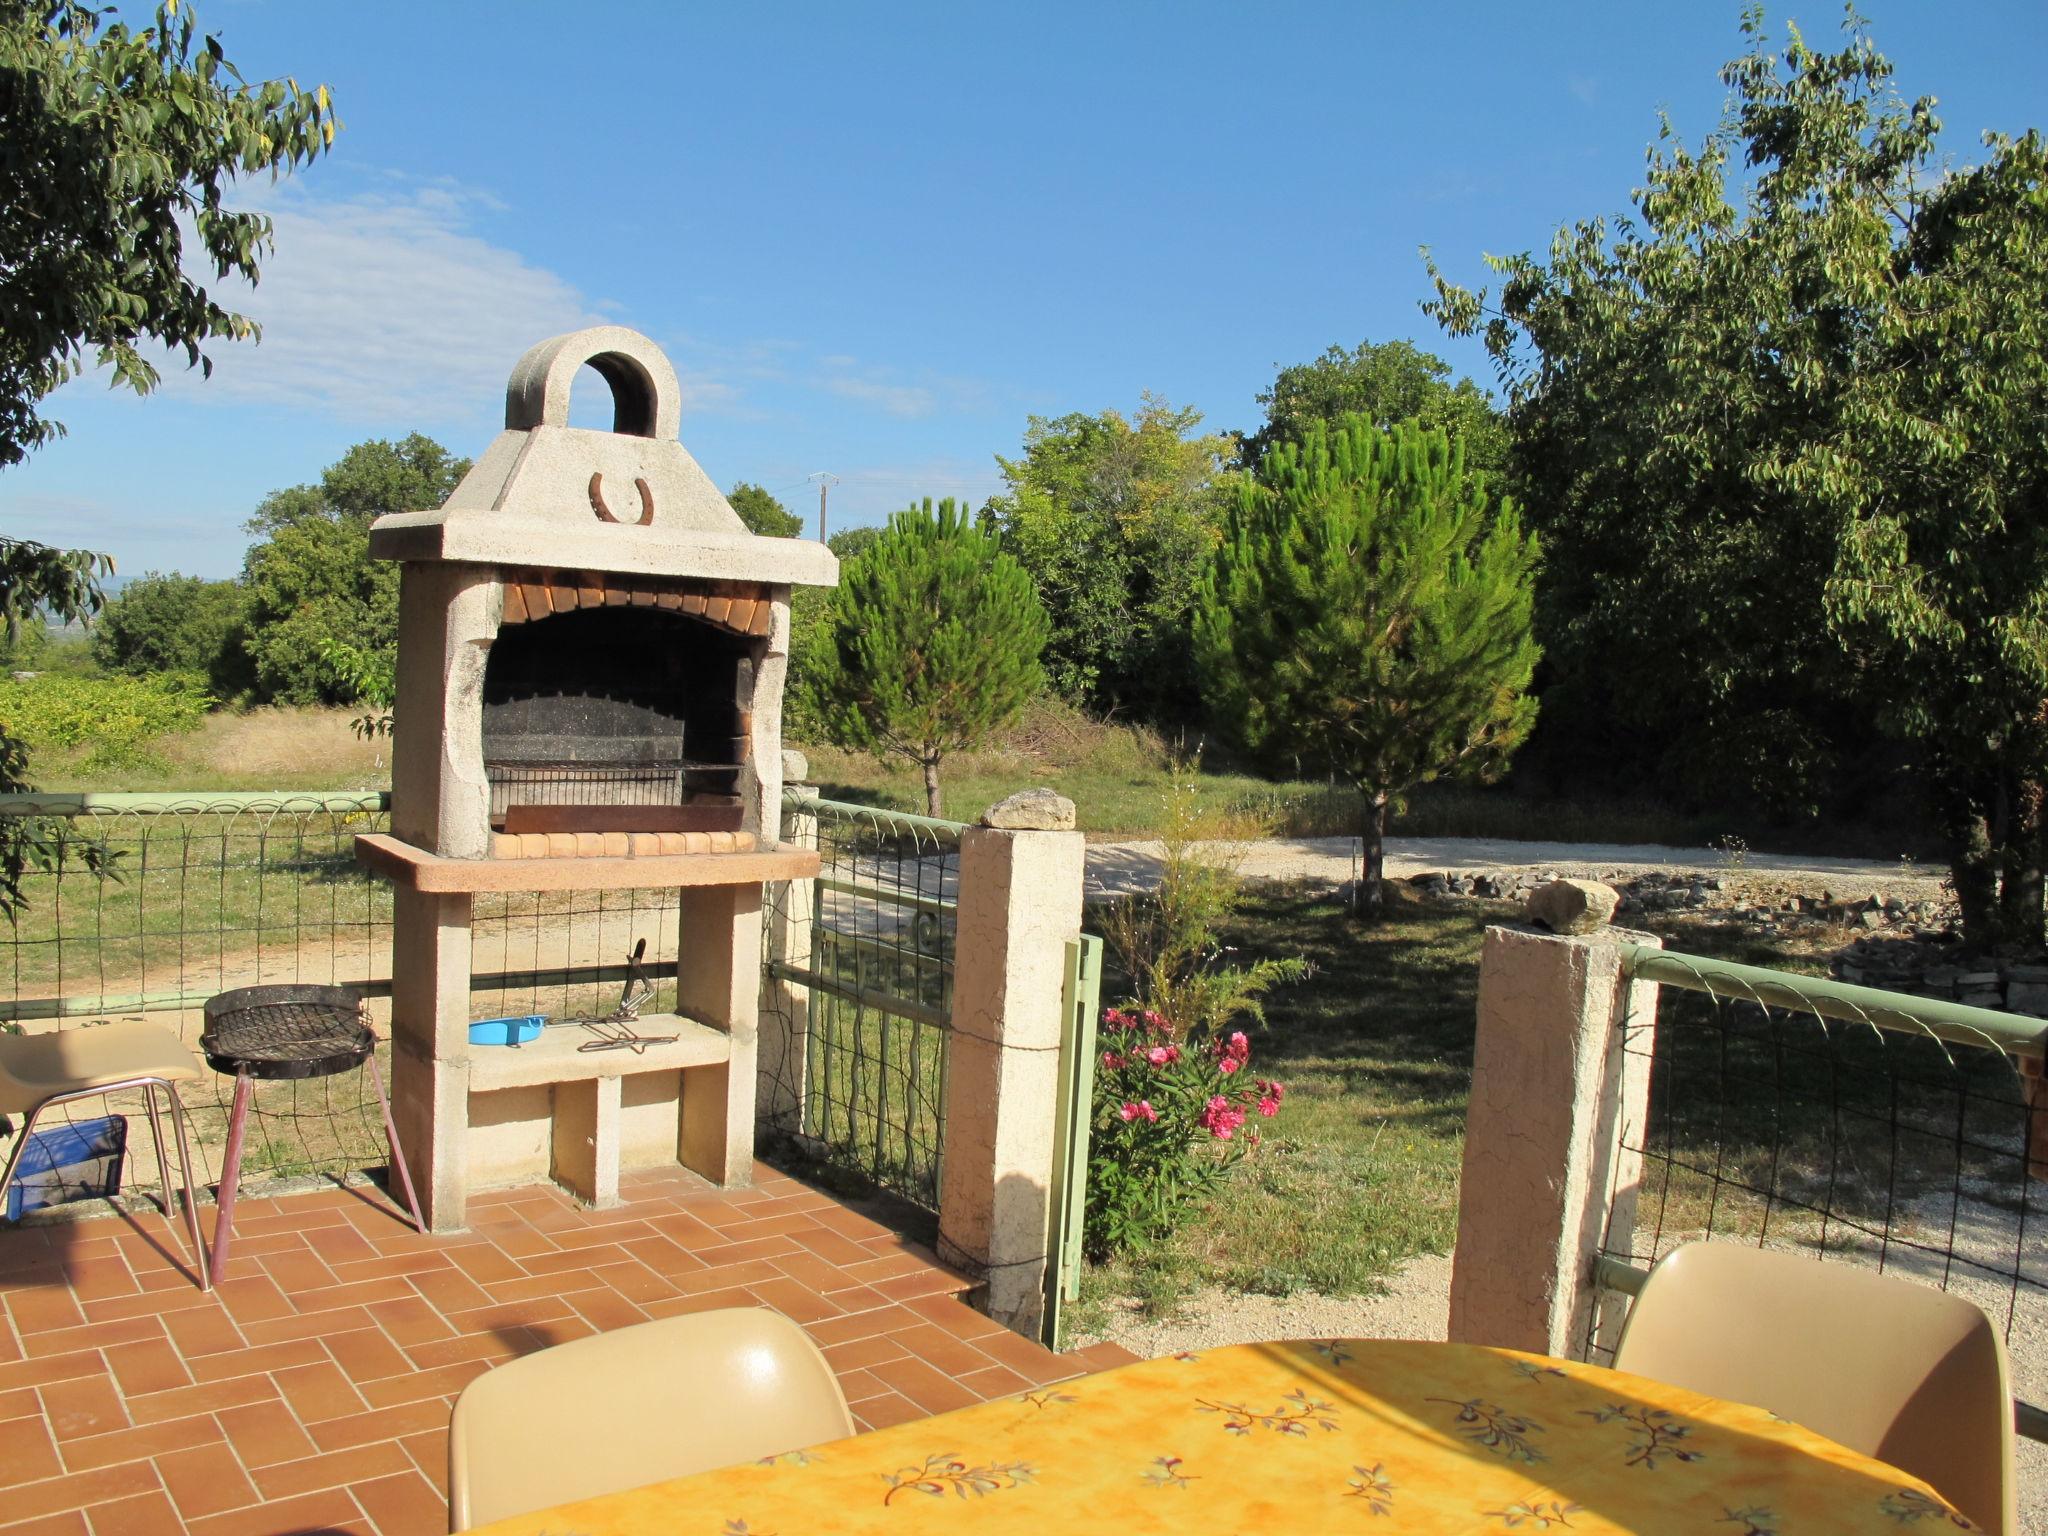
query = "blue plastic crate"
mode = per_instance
[{"x": 69, "y": 1162}]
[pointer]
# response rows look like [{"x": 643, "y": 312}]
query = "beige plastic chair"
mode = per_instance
[
  {"x": 635, "y": 1406},
  {"x": 38, "y": 1071},
  {"x": 1885, "y": 1366}
]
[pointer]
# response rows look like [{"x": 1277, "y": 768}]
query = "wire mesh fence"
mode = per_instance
[
  {"x": 193, "y": 895},
  {"x": 1858, "y": 1126},
  {"x": 198, "y": 893},
  {"x": 858, "y": 1014}
]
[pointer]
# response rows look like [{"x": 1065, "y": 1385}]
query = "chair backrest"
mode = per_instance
[
  {"x": 635, "y": 1406},
  {"x": 1885, "y": 1366}
]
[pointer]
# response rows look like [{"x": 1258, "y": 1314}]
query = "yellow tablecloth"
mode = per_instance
[{"x": 1346, "y": 1435}]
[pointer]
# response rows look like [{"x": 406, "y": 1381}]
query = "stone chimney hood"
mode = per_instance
[{"x": 629, "y": 501}]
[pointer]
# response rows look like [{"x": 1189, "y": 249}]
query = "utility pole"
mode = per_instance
[{"x": 825, "y": 483}]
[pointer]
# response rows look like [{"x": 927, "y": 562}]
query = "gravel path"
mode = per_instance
[{"x": 1117, "y": 868}]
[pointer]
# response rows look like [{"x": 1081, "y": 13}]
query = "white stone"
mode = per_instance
[
  {"x": 1031, "y": 810},
  {"x": 796, "y": 768},
  {"x": 1572, "y": 906}
]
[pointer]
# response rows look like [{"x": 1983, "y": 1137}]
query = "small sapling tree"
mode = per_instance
[
  {"x": 1369, "y": 613},
  {"x": 934, "y": 636}
]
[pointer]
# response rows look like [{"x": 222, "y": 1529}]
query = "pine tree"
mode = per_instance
[
  {"x": 1369, "y": 613},
  {"x": 935, "y": 636}
]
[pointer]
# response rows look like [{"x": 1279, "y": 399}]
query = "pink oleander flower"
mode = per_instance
[
  {"x": 1221, "y": 1118},
  {"x": 1227, "y": 1065},
  {"x": 1111, "y": 1060},
  {"x": 1269, "y": 1106},
  {"x": 1239, "y": 1048},
  {"x": 1116, "y": 1018},
  {"x": 1142, "y": 1110},
  {"x": 1156, "y": 1023},
  {"x": 1270, "y": 1095},
  {"x": 1163, "y": 1055}
]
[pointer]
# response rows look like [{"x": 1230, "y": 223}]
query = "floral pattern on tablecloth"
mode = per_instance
[{"x": 1326, "y": 1435}]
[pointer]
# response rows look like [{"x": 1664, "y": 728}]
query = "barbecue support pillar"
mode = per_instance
[
  {"x": 1547, "y": 1182},
  {"x": 718, "y": 982},
  {"x": 1020, "y": 905},
  {"x": 430, "y": 961},
  {"x": 586, "y": 1139}
]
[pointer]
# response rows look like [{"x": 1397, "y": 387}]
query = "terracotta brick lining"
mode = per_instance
[{"x": 312, "y": 1391}]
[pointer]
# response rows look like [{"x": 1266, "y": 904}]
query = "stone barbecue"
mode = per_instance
[{"x": 591, "y": 655}]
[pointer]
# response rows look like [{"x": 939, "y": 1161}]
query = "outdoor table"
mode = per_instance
[{"x": 1344, "y": 1435}]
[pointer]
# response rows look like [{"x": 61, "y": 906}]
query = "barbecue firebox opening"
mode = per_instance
[{"x": 616, "y": 719}]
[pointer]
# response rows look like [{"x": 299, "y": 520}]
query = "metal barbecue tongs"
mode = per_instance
[{"x": 615, "y": 1031}]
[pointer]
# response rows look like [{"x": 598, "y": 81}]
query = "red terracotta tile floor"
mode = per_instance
[{"x": 310, "y": 1393}]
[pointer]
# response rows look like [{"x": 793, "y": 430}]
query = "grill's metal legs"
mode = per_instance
[
  {"x": 230, "y": 1177},
  {"x": 391, "y": 1135}
]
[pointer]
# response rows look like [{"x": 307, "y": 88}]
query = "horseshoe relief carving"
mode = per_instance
[{"x": 604, "y": 512}]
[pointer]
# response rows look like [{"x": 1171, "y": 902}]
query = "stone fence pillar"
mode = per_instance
[
  {"x": 1020, "y": 905},
  {"x": 1552, "y": 1092}
]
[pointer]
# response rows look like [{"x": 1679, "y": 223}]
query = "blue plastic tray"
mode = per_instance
[
  {"x": 515, "y": 1030},
  {"x": 69, "y": 1162}
]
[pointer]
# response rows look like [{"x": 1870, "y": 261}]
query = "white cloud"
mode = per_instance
[
  {"x": 388, "y": 306},
  {"x": 907, "y": 400}
]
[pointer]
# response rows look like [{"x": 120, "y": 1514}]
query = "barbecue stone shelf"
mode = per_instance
[
  {"x": 415, "y": 869},
  {"x": 557, "y": 1057}
]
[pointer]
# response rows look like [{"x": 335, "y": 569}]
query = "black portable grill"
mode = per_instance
[
  {"x": 285, "y": 1032},
  {"x": 292, "y": 1031}
]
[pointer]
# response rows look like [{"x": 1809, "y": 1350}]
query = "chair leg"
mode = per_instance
[
  {"x": 20, "y": 1146},
  {"x": 191, "y": 1194},
  {"x": 163, "y": 1163}
]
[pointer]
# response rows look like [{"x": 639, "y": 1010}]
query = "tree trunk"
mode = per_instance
[
  {"x": 1996, "y": 829},
  {"x": 1973, "y": 869},
  {"x": 2019, "y": 895},
  {"x": 1372, "y": 882},
  {"x": 933, "y": 801}
]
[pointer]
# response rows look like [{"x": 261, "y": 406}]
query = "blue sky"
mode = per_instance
[{"x": 874, "y": 238}]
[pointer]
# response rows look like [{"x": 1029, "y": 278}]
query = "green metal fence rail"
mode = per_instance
[
  {"x": 1902, "y": 1142},
  {"x": 1935, "y": 1018},
  {"x": 860, "y": 963}
]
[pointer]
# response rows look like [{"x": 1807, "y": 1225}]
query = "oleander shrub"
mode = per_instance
[{"x": 1173, "y": 1091}]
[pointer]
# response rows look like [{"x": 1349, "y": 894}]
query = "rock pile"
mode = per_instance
[
  {"x": 1898, "y": 945},
  {"x": 1725, "y": 897},
  {"x": 1933, "y": 969}
]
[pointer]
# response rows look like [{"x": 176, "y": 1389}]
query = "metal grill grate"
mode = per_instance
[{"x": 285, "y": 1032}]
